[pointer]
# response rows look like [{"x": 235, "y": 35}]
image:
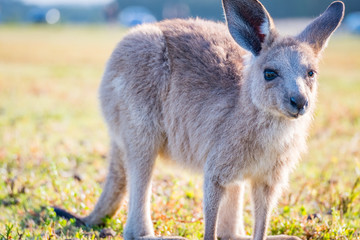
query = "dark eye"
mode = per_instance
[
  {"x": 311, "y": 74},
  {"x": 270, "y": 74}
]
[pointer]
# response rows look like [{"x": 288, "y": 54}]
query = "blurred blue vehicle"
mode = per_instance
[
  {"x": 352, "y": 21},
  {"x": 135, "y": 15},
  {"x": 36, "y": 15}
]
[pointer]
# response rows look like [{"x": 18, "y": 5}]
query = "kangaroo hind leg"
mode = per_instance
[{"x": 140, "y": 162}]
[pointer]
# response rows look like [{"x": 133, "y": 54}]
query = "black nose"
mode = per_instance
[{"x": 299, "y": 102}]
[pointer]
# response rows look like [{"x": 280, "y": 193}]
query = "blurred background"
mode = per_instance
[
  {"x": 54, "y": 143},
  {"x": 132, "y": 12}
]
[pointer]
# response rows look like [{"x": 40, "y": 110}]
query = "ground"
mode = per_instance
[{"x": 53, "y": 144}]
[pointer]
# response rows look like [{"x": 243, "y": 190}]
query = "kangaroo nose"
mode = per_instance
[{"x": 299, "y": 102}]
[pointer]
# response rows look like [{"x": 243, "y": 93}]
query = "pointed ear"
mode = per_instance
[
  {"x": 249, "y": 23},
  {"x": 318, "y": 32}
]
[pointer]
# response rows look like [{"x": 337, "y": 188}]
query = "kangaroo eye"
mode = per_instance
[
  {"x": 311, "y": 73},
  {"x": 270, "y": 74}
]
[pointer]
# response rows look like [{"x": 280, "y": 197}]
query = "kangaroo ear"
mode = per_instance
[
  {"x": 249, "y": 23},
  {"x": 318, "y": 32}
]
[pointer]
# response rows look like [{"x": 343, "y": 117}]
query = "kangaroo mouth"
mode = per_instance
[{"x": 293, "y": 115}]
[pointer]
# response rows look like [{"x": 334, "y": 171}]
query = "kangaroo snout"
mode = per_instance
[{"x": 299, "y": 104}]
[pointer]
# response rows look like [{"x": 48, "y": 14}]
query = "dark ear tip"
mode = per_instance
[
  {"x": 338, "y": 6},
  {"x": 338, "y": 10}
]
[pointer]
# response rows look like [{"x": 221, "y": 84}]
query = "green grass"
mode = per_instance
[{"x": 51, "y": 130}]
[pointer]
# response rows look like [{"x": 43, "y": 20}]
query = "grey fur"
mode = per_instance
[
  {"x": 186, "y": 90},
  {"x": 319, "y": 31}
]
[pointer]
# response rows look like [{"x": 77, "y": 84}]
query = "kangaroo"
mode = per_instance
[{"x": 233, "y": 101}]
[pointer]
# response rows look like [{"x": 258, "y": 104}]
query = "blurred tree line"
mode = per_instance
[
  {"x": 211, "y": 9},
  {"x": 18, "y": 11}
]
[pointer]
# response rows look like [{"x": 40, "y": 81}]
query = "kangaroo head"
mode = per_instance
[{"x": 283, "y": 70}]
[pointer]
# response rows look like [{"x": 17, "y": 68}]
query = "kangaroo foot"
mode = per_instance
[{"x": 161, "y": 238}]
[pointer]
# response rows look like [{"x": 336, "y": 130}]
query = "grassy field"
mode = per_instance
[{"x": 53, "y": 144}]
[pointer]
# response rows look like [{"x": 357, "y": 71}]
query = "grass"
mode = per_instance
[{"x": 53, "y": 144}]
